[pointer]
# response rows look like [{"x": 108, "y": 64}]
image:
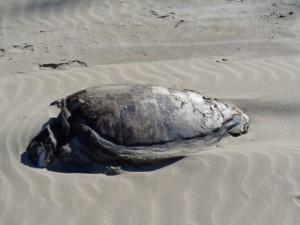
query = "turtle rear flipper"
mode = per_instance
[
  {"x": 41, "y": 150},
  {"x": 63, "y": 117}
]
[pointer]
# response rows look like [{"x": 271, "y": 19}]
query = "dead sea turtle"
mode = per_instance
[{"x": 133, "y": 124}]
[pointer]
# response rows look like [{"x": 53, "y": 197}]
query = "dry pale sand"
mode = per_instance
[{"x": 253, "y": 179}]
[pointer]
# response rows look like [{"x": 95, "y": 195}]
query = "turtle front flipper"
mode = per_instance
[
  {"x": 113, "y": 170},
  {"x": 74, "y": 154},
  {"x": 97, "y": 147}
]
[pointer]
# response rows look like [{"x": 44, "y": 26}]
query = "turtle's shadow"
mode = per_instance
[{"x": 96, "y": 168}]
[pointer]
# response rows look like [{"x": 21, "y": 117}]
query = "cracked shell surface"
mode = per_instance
[{"x": 136, "y": 115}]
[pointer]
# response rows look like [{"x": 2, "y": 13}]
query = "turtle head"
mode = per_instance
[
  {"x": 41, "y": 149},
  {"x": 243, "y": 122}
]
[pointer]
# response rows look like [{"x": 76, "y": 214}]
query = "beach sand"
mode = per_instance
[{"x": 246, "y": 52}]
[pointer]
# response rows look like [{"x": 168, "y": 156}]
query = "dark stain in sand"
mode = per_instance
[{"x": 62, "y": 64}]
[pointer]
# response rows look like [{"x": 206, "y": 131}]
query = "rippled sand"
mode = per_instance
[{"x": 245, "y": 52}]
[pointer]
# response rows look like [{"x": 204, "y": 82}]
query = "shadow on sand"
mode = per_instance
[{"x": 96, "y": 168}]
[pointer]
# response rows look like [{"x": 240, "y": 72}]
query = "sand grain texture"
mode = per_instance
[{"x": 253, "y": 179}]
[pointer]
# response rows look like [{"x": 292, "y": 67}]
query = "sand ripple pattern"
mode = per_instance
[
  {"x": 250, "y": 180},
  {"x": 105, "y": 32},
  {"x": 256, "y": 176}
]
